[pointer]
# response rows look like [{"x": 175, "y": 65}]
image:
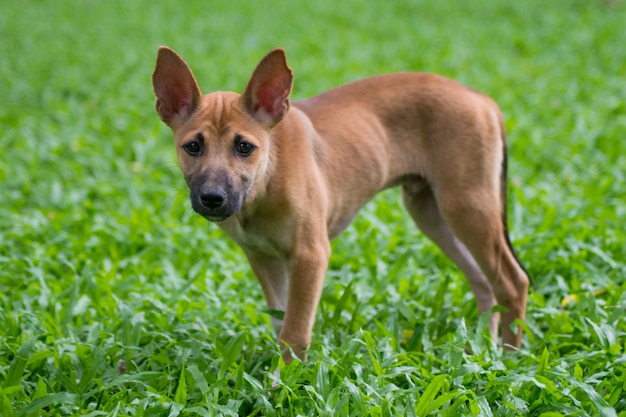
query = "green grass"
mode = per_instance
[{"x": 115, "y": 299}]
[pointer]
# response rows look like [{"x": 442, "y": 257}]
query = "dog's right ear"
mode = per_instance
[{"x": 177, "y": 92}]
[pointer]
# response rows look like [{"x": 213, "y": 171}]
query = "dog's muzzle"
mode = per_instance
[{"x": 215, "y": 204}]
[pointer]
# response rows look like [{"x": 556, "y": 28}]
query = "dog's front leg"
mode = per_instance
[
  {"x": 307, "y": 267},
  {"x": 271, "y": 272}
]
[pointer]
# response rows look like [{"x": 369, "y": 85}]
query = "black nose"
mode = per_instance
[{"x": 213, "y": 199}]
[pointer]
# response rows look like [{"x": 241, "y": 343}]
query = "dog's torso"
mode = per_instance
[{"x": 391, "y": 144}]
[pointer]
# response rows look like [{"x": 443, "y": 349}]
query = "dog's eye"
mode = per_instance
[
  {"x": 192, "y": 147},
  {"x": 244, "y": 148}
]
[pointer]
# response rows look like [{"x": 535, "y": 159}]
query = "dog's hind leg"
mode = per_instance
[
  {"x": 475, "y": 216},
  {"x": 420, "y": 202}
]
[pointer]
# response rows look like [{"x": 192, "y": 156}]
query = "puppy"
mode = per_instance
[{"x": 282, "y": 179}]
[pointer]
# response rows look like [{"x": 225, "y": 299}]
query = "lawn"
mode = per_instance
[{"x": 116, "y": 299}]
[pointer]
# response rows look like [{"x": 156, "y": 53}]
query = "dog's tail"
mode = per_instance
[{"x": 504, "y": 196}]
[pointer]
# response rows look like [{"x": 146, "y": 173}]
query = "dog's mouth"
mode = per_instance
[
  {"x": 214, "y": 216},
  {"x": 215, "y": 219}
]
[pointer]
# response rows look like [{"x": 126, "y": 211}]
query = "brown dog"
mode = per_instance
[{"x": 282, "y": 180}]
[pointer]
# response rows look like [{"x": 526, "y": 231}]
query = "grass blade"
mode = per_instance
[
  {"x": 181, "y": 391},
  {"x": 47, "y": 401},
  {"x": 424, "y": 406},
  {"x": 19, "y": 363},
  {"x": 5, "y": 405},
  {"x": 604, "y": 409}
]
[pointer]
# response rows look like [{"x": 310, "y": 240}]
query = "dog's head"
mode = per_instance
[{"x": 223, "y": 139}]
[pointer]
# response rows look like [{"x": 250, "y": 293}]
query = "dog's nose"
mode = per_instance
[{"x": 213, "y": 199}]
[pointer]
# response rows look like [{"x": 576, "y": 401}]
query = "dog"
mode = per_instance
[{"x": 283, "y": 178}]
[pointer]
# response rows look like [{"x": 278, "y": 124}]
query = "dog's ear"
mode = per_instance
[
  {"x": 177, "y": 92},
  {"x": 266, "y": 96}
]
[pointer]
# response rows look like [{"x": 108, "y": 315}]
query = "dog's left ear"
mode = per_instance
[{"x": 266, "y": 97}]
